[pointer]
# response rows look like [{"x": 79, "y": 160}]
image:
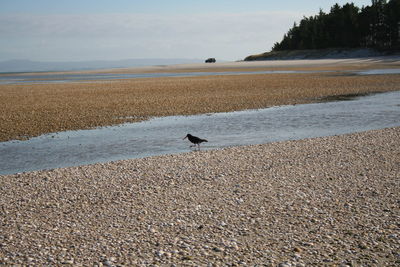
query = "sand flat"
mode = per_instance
[
  {"x": 34, "y": 109},
  {"x": 298, "y": 64},
  {"x": 303, "y": 64}
]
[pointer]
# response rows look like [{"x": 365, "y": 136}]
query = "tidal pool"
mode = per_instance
[{"x": 164, "y": 135}]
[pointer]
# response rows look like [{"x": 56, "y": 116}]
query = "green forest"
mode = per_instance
[{"x": 376, "y": 26}]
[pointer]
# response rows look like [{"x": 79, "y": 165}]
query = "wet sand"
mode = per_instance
[
  {"x": 315, "y": 202},
  {"x": 34, "y": 109},
  {"x": 299, "y": 64},
  {"x": 302, "y": 64}
]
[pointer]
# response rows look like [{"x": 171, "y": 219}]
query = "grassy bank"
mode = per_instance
[{"x": 31, "y": 110}]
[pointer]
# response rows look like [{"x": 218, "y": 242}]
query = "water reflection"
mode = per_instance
[
  {"x": 164, "y": 135},
  {"x": 90, "y": 77}
]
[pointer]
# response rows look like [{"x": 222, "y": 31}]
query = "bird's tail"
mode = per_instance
[{"x": 204, "y": 140}]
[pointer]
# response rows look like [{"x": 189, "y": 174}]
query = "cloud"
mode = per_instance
[{"x": 111, "y": 36}]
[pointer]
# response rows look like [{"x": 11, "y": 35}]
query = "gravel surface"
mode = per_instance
[
  {"x": 29, "y": 110},
  {"x": 314, "y": 202}
]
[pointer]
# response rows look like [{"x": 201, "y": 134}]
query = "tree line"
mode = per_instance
[{"x": 376, "y": 26}]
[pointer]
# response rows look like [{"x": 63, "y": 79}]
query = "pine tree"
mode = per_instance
[{"x": 347, "y": 26}]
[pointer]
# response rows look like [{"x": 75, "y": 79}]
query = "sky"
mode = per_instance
[{"x": 82, "y": 30}]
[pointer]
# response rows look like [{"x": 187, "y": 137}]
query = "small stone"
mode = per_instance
[
  {"x": 297, "y": 249},
  {"x": 308, "y": 244},
  {"x": 239, "y": 200},
  {"x": 362, "y": 245},
  {"x": 160, "y": 253},
  {"x": 187, "y": 258},
  {"x": 107, "y": 263},
  {"x": 217, "y": 249},
  {"x": 394, "y": 236},
  {"x": 70, "y": 261},
  {"x": 235, "y": 247},
  {"x": 168, "y": 255}
]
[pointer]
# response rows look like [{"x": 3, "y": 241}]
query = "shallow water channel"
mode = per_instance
[
  {"x": 164, "y": 135},
  {"x": 93, "y": 77}
]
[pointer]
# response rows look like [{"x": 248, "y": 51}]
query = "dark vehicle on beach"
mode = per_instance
[{"x": 210, "y": 60}]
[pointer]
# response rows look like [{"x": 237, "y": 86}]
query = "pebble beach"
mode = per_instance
[
  {"x": 331, "y": 201},
  {"x": 30, "y": 110}
]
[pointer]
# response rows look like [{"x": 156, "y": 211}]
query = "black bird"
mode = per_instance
[{"x": 195, "y": 140}]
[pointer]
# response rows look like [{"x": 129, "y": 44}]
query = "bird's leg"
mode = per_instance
[{"x": 193, "y": 146}]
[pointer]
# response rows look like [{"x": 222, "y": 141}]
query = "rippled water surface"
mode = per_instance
[
  {"x": 63, "y": 78},
  {"x": 90, "y": 77},
  {"x": 164, "y": 135}
]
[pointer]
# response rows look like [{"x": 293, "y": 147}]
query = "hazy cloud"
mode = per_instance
[{"x": 116, "y": 36}]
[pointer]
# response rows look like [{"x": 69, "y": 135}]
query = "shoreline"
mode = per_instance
[
  {"x": 347, "y": 114},
  {"x": 330, "y": 200},
  {"x": 36, "y": 109},
  {"x": 286, "y": 64}
]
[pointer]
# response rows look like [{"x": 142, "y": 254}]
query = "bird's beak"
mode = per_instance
[{"x": 184, "y": 137}]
